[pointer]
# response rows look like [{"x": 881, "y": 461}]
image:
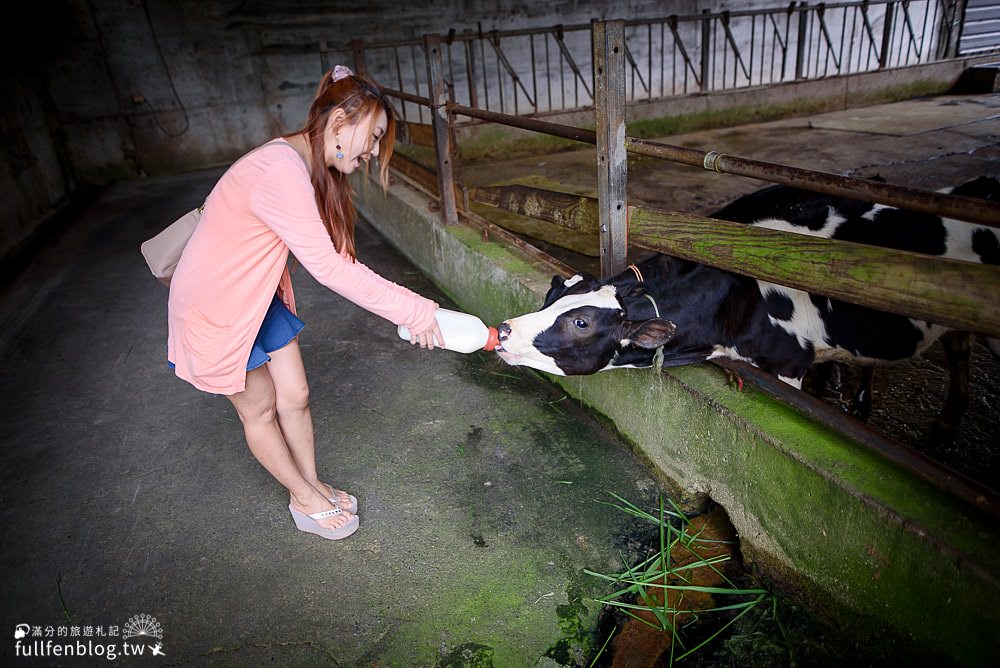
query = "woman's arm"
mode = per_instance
[{"x": 285, "y": 201}]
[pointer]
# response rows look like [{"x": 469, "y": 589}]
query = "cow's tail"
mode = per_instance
[{"x": 994, "y": 346}]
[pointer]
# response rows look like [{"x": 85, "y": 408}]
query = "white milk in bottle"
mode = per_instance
[{"x": 463, "y": 332}]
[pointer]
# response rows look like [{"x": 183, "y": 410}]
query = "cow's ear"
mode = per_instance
[
  {"x": 649, "y": 334},
  {"x": 576, "y": 284},
  {"x": 635, "y": 291},
  {"x": 556, "y": 290}
]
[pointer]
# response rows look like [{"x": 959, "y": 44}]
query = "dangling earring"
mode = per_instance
[{"x": 340, "y": 152}]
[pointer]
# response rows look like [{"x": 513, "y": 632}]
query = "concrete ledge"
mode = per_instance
[{"x": 896, "y": 562}]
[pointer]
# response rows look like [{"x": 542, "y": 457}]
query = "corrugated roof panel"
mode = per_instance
[{"x": 980, "y": 27}]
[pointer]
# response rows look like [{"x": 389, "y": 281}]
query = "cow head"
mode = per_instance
[{"x": 585, "y": 326}]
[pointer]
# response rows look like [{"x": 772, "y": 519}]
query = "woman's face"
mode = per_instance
[{"x": 358, "y": 142}]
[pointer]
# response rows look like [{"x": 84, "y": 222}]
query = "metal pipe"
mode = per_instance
[
  {"x": 468, "y": 37},
  {"x": 409, "y": 97},
  {"x": 525, "y": 123}
]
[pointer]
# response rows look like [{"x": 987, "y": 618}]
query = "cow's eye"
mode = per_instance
[{"x": 581, "y": 323}]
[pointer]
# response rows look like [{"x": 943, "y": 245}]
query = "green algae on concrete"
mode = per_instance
[
  {"x": 491, "y": 143},
  {"x": 469, "y": 655},
  {"x": 490, "y": 607}
]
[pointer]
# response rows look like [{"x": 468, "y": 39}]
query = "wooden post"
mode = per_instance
[
  {"x": 358, "y": 51},
  {"x": 442, "y": 135},
  {"x": 612, "y": 159}
]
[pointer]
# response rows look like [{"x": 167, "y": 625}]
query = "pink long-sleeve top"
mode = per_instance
[{"x": 263, "y": 207}]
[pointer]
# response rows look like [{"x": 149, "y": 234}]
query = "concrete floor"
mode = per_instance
[{"x": 128, "y": 492}]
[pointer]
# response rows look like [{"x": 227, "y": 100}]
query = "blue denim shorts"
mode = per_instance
[{"x": 280, "y": 326}]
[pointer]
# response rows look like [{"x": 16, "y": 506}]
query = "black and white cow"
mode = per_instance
[{"x": 687, "y": 312}]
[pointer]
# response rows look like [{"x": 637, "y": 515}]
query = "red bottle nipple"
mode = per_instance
[{"x": 493, "y": 340}]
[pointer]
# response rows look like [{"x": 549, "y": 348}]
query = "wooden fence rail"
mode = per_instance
[{"x": 953, "y": 293}]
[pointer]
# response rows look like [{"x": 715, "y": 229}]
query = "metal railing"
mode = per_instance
[{"x": 550, "y": 70}]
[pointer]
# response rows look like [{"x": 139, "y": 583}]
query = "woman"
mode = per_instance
[{"x": 232, "y": 322}]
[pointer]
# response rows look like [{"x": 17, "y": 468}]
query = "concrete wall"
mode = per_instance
[
  {"x": 901, "y": 566},
  {"x": 36, "y": 175},
  {"x": 154, "y": 86},
  {"x": 98, "y": 90}
]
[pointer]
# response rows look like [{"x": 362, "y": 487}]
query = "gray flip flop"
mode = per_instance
[{"x": 310, "y": 524}]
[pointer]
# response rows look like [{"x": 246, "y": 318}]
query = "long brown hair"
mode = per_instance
[{"x": 359, "y": 98}]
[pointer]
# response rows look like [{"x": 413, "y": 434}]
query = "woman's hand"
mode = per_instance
[{"x": 428, "y": 338}]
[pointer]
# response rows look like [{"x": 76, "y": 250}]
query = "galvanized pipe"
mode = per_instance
[{"x": 807, "y": 16}]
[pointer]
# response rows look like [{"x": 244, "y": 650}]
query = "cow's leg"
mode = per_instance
[
  {"x": 824, "y": 377},
  {"x": 958, "y": 352},
  {"x": 819, "y": 378},
  {"x": 861, "y": 402}
]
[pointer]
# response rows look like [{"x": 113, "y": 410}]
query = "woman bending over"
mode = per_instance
[{"x": 232, "y": 321}]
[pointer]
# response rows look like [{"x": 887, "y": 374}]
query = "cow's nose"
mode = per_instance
[{"x": 503, "y": 331}]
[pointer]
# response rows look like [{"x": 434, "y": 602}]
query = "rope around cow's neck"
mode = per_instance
[{"x": 658, "y": 355}]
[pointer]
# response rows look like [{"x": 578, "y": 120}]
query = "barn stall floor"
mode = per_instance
[{"x": 930, "y": 143}]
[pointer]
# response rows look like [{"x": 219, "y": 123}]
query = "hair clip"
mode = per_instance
[{"x": 340, "y": 71}]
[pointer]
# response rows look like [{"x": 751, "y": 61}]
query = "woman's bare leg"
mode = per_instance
[
  {"x": 256, "y": 408},
  {"x": 294, "y": 416}
]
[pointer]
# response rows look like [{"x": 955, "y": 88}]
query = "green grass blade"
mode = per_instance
[
  {"x": 603, "y": 647},
  {"x": 724, "y": 627},
  {"x": 659, "y": 571}
]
